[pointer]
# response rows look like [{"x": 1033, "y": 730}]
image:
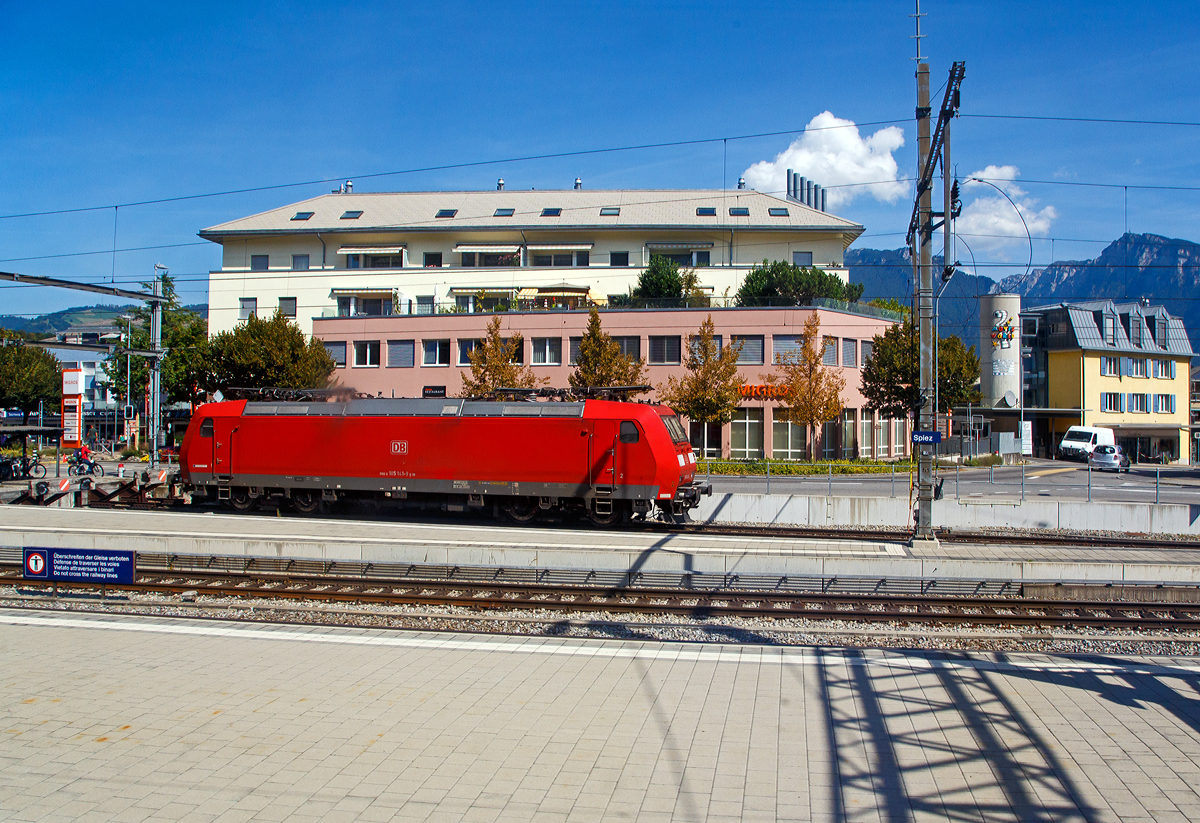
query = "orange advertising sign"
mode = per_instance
[{"x": 764, "y": 390}]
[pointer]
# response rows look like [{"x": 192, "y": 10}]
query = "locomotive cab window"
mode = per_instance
[
  {"x": 206, "y": 428},
  {"x": 629, "y": 432},
  {"x": 675, "y": 428}
]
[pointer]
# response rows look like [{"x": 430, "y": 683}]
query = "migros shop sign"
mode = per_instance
[{"x": 765, "y": 391}]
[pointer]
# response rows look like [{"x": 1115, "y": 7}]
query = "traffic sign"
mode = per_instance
[
  {"x": 79, "y": 565},
  {"x": 927, "y": 437},
  {"x": 35, "y": 564}
]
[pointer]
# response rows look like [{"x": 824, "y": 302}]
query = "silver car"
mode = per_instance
[{"x": 1109, "y": 458}]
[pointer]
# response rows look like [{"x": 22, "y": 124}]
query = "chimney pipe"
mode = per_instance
[
  {"x": 578, "y": 184},
  {"x": 500, "y": 184},
  {"x": 808, "y": 194},
  {"x": 741, "y": 182},
  {"x": 788, "y": 181},
  {"x": 816, "y": 196},
  {"x": 349, "y": 186},
  {"x": 796, "y": 185},
  {"x": 823, "y": 200},
  {"x": 800, "y": 186}
]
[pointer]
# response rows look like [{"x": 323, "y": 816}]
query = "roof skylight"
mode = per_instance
[
  {"x": 706, "y": 211},
  {"x": 352, "y": 215},
  {"x": 503, "y": 213},
  {"x": 739, "y": 211},
  {"x": 302, "y": 215},
  {"x": 610, "y": 211},
  {"x": 779, "y": 212},
  {"x": 446, "y": 212},
  {"x": 550, "y": 212}
]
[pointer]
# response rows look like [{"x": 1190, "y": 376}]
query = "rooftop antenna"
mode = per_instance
[{"x": 918, "y": 36}]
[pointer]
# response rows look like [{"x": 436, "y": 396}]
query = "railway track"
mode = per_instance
[{"x": 924, "y": 608}]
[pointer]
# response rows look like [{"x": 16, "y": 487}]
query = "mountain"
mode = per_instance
[
  {"x": 888, "y": 273},
  {"x": 47, "y": 324}
]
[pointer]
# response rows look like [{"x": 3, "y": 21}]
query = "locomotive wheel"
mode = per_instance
[
  {"x": 523, "y": 510},
  {"x": 604, "y": 519},
  {"x": 306, "y": 502},
  {"x": 241, "y": 500}
]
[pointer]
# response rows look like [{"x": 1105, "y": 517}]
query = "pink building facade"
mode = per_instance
[{"x": 416, "y": 355}]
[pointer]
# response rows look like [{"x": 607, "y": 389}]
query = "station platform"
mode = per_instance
[
  {"x": 480, "y": 543},
  {"x": 119, "y": 718}
]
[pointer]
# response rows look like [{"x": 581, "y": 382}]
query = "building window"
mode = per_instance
[
  {"x": 573, "y": 350},
  {"x": 705, "y": 438},
  {"x": 849, "y": 352},
  {"x": 786, "y": 346},
  {"x": 1164, "y": 369},
  {"x": 1110, "y": 330},
  {"x": 849, "y": 434},
  {"x": 437, "y": 352},
  {"x": 739, "y": 211},
  {"x": 866, "y": 436},
  {"x": 664, "y": 350},
  {"x": 1139, "y": 403},
  {"x": 803, "y": 259},
  {"x": 402, "y": 354},
  {"x": 299, "y": 262},
  {"x": 433, "y": 259},
  {"x": 746, "y": 434},
  {"x": 287, "y": 306},
  {"x": 1164, "y": 403},
  {"x": 387, "y": 261},
  {"x": 337, "y": 351},
  {"x": 631, "y": 346},
  {"x": 1137, "y": 367},
  {"x": 789, "y": 441},
  {"x": 465, "y": 347},
  {"x": 868, "y": 347},
  {"x": 618, "y": 258},
  {"x": 583, "y": 258},
  {"x": 366, "y": 353},
  {"x": 694, "y": 343},
  {"x": 900, "y": 439},
  {"x": 247, "y": 307},
  {"x": 425, "y": 304},
  {"x": 829, "y": 355},
  {"x": 468, "y": 259},
  {"x": 1110, "y": 401},
  {"x": 259, "y": 262},
  {"x": 752, "y": 349},
  {"x": 547, "y": 351},
  {"x": 354, "y": 261},
  {"x": 1109, "y": 366},
  {"x": 562, "y": 260}
]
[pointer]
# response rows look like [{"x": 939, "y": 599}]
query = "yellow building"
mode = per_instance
[{"x": 1124, "y": 366}]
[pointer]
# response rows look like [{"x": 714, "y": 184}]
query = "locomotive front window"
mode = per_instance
[
  {"x": 629, "y": 432},
  {"x": 675, "y": 428},
  {"x": 206, "y": 428}
]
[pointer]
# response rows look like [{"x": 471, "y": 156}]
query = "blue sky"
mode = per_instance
[{"x": 157, "y": 101}]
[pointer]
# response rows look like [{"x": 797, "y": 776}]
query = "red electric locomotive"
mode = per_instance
[{"x": 605, "y": 458}]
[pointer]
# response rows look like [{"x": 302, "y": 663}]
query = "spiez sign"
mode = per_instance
[{"x": 927, "y": 438}]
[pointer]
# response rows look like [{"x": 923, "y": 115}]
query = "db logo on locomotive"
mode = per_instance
[{"x": 399, "y": 447}]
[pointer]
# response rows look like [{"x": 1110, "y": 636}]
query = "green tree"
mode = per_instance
[
  {"x": 811, "y": 392},
  {"x": 890, "y": 303},
  {"x": 494, "y": 366},
  {"x": 28, "y": 376},
  {"x": 891, "y": 378},
  {"x": 786, "y": 284},
  {"x": 184, "y": 369},
  {"x": 601, "y": 362},
  {"x": 710, "y": 391},
  {"x": 268, "y": 354},
  {"x": 659, "y": 284}
]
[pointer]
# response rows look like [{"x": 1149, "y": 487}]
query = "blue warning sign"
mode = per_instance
[{"x": 79, "y": 566}]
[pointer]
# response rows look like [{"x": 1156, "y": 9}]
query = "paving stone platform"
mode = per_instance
[{"x": 131, "y": 719}]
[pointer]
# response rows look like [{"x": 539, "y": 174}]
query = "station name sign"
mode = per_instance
[
  {"x": 78, "y": 566},
  {"x": 927, "y": 437}
]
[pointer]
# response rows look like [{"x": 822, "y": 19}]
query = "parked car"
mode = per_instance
[{"x": 1109, "y": 458}]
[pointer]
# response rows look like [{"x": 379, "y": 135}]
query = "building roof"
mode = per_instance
[
  {"x": 580, "y": 209},
  {"x": 1089, "y": 332}
]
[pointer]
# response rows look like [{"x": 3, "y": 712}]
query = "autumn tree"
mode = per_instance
[
  {"x": 786, "y": 284},
  {"x": 891, "y": 377},
  {"x": 811, "y": 392},
  {"x": 710, "y": 390},
  {"x": 29, "y": 376},
  {"x": 494, "y": 365},
  {"x": 268, "y": 354},
  {"x": 601, "y": 362}
]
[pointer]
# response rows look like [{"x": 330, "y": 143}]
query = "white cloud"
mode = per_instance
[
  {"x": 990, "y": 223},
  {"x": 832, "y": 152}
]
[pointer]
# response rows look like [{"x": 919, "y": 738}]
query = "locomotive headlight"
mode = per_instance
[{"x": 680, "y": 456}]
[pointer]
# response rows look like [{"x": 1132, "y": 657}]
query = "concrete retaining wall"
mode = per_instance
[{"x": 869, "y": 512}]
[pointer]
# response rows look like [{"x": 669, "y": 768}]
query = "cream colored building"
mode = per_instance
[
  {"x": 350, "y": 254},
  {"x": 1123, "y": 366}
]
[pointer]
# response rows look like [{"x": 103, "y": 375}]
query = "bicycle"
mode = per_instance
[
  {"x": 26, "y": 467},
  {"x": 79, "y": 467}
]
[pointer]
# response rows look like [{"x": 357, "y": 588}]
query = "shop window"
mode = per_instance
[
  {"x": 366, "y": 353},
  {"x": 337, "y": 352},
  {"x": 664, "y": 350},
  {"x": 437, "y": 352},
  {"x": 849, "y": 434},
  {"x": 866, "y": 435},
  {"x": 752, "y": 349},
  {"x": 259, "y": 262},
  {"x": 402, "y": 354},
  {"x": 789, "y": 441},
  {"x": 287, "y": 306},
  {"x": 705, "y": 439},
  {"x": 746, "y": 434},
  {"x": 547, "y": 351},
  {"x": 829, "y": 440}
]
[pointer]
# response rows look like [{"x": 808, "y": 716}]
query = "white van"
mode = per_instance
[{"x": 1079, "y": 441}]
